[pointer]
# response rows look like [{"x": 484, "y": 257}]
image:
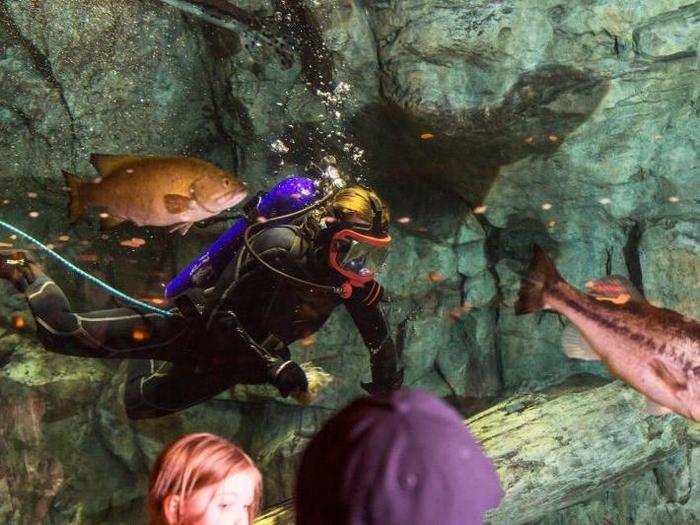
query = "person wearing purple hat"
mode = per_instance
[{"x": 403, "y": 459}]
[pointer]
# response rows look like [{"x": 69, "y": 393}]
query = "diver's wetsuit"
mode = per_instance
[{"x": 177, "y": 365}]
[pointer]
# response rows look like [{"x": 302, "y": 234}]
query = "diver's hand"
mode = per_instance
[
  {"x": 288, "y": 377},
  {"x": 19, "y": 267}
]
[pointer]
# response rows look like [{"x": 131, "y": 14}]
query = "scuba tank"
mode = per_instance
[{"x": 289, "y": 196}]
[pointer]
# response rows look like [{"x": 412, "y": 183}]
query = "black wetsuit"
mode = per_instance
[{"x": 179, "y": 363}]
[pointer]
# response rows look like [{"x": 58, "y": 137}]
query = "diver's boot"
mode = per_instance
[{"x": 18, "y": 267}]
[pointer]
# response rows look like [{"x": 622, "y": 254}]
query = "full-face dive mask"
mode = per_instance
[{"x": 357, "y": 251}]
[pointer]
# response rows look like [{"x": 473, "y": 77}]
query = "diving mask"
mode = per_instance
[{"x": 357, "y": 256}]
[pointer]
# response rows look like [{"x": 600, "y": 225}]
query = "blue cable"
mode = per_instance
[{"x": 84, "y": 274}]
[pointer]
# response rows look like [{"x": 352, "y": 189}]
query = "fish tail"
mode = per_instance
[
  {"x": 541, "y": 275},
  {"x": 76, "y": 207}
]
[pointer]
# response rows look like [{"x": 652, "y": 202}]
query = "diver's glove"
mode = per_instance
[
  {"x": 288, "y": 377},
  {"x": 386, "y": 374}
]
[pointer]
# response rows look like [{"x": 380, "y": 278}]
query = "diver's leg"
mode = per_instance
[
  {"x": 156, "y": 389},
  {"x": 115, "y": 333}
]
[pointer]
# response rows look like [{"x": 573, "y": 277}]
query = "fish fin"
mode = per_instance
[
  {"x": 541, "y": 275},
  {"x": 675, "y": 382},
  {"x": 182, "y": 227},
  {"x": 652, "y": 408},
  {"x": 575, "y": 345},
  {"x": 76, "y": 207},
  {"x": 107, "y": 164},
  {"x": 111, "y": 222},
  {"x": 177, "y": 203},
  {"x": 614, "y": 288}
]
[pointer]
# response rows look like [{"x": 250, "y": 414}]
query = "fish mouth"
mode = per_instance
[{"x": 231, "y": 198}]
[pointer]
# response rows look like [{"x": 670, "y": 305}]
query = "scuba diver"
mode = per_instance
[{"x": 281, "y": 286}]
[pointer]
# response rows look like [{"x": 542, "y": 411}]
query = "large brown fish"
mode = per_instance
[
  {"x": 155, "y": 191},
  {"x": 654, "y": 350}
]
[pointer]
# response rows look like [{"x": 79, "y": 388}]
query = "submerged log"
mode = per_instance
[{"x": 557, "y": 449}]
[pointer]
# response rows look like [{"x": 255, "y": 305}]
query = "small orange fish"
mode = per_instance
[
  {"x": 153, "y": 300},
  {"x": 155, "y": 191},
  {"x": 18, "y": 321},
  {"x": 88, "y": 257},
  {"x": 435, "y": 277},
  {"x": 140, "y": 334},
  {"x": 134, "y": 242}
]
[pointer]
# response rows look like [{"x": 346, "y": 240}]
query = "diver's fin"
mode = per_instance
[
  {"x": 110, "y": 222},
  {"x": 614, "y": 288},
  {"x": 182, "y": 227},
  {"x": 76, "y": 208},
  {"x": 674, "y": 381},
  {"x": 652, "y": 408},
  {"x": 575, "y": 345},
  {"x": 540, "y": 277},
  {"x": 107, "y": 164},
  {"x": 177, "y": 203}
]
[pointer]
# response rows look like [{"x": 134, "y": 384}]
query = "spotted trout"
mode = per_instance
[
  {"x": 155, "y": 191},
  {"x": 654, "y": 350}
]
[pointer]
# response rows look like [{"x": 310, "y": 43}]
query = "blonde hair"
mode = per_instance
[
  {"x": 357, "y": 200},
  {"x": 195, "y": 461}
]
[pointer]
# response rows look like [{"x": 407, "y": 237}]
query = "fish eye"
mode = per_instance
[{"x": 226, "y": 182}]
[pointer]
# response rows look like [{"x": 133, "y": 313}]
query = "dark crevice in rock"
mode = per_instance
[
  {"x": 441, "y": 374},
  {"x": 302, "y": 29},
  {"x": 492, "y": 249},
  {"x": 380, "y": 65},
  {"x": 213, "y": 82},
  {"x": 401, "y": 331},
  {"x": 41, "y": 64},
  {"x": 27, "y": 121},
  {"x": 631, "y": 256},
  {"x": 463, "y": 279}
]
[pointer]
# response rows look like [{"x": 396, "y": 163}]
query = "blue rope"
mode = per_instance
[{"x": 84, "y": 274}]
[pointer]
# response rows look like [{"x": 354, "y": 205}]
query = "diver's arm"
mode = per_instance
[
  {"x": 279, "y": 248},
  {"x": 367, "y": 308},
  {"x": 224, "y": 329}
]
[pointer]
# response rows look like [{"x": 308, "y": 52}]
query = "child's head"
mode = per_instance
[{"x": 203, "y": 479}]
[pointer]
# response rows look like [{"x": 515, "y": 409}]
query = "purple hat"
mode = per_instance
[{"x": 402, "y": 459}]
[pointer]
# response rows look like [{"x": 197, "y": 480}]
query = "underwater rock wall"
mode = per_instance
[{"x": 572, "y": 124}]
